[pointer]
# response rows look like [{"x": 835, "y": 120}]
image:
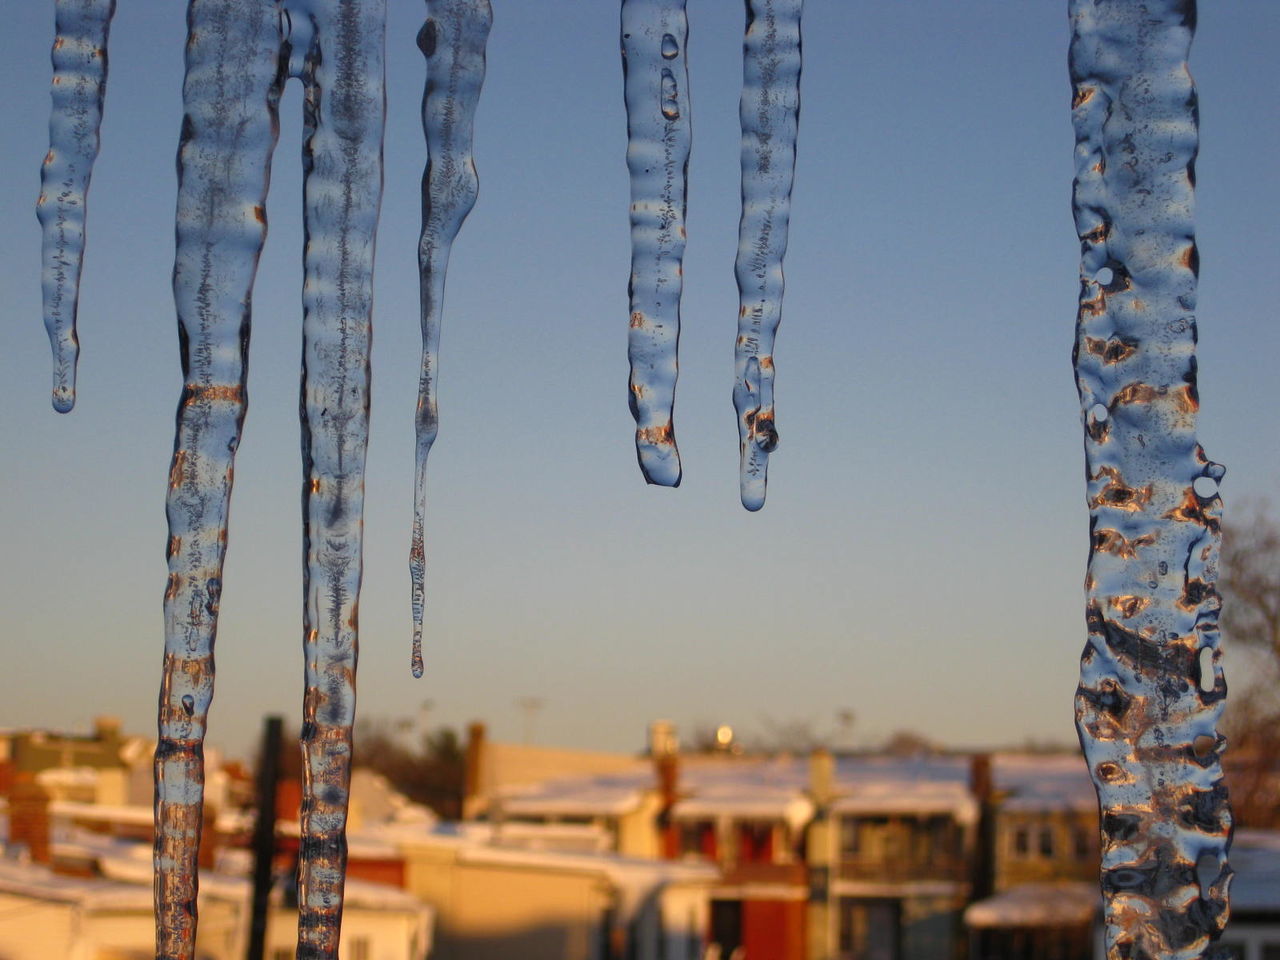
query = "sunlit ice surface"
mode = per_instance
[
  {"x": 239, "y": 55},
  {"x": 1151, "y": 690},
  {"x": 770, "y": 113},
  {"x": 655, "y": 36}
]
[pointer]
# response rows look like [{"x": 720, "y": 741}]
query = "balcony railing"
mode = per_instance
[{"x": 904, "y": 869}]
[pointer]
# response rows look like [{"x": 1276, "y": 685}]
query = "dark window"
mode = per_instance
[
  {"x": 870, "y": 929},
  {"x": 698, "y": 839},
  {"x": 755, "y": 842},
  {"x": 1046, "y": 841},
  {"x": 1022, "y": 841},
  {"x": 726, "y": 925},
  {"x": 1271, "y": 951},
  {"x": 1084, "y": 844}
]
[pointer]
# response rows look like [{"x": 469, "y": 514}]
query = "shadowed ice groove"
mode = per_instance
[
  {"x": 230, "y": 99},
  {"x": 1147, "y": 717},
  {"x": 344, "y": 117},
  {"x": 656, "y": 87},
  {"x": 453, "y": 41},
  {"x": 79, "y": 86},
  {"x": 770, "y": 112}
]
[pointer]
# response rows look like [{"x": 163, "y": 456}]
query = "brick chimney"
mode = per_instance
[
  {"x": 664, "y": 750},
  {"x": 29, "y": 817},
  {"x": 982, "y": 785}
]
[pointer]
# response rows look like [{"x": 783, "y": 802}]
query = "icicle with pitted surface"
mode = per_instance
[{"x": 1151, "y": 690}]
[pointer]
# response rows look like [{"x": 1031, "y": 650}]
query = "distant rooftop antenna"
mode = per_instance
[{"x": 530, "y": 706}]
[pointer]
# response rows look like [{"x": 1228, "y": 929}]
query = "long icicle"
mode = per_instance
[
  {"x": 656, "y": 90},
  {"x": 770, "y": 114},
  {"x": 1151, "y": 688},
  {"x": 453, "y": 41},
  {"x": 344, "y": 114},
  {"x": 79, "y": 88},
  {"x": 230, "y": 99}
]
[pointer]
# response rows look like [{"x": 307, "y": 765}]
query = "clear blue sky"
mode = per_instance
[{"x": 921, "y": 555}]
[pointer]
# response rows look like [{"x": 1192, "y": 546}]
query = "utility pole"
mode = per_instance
[{"x": 264, "y": 834}]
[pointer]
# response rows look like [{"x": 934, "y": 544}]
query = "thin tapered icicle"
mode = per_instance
[
  {"x": 230, "y": 99},
  {"x": 79, "y": 87},
  {"x": 656, "y": 88},
  {"x": 1151, "y": 690},
  {"x": 769, "y": 112},
  {"x": 453, "y": 41},
  {"x": 344, "y": 110}
]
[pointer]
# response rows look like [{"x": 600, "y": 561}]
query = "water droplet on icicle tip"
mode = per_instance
[
  {"x": 670, "y": 48},
  {"x": 415, "y": 659},
  {"x": 670, "y": 96}
]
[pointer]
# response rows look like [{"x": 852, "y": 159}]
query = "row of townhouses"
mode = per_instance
[{"x": 575, "y": 855}]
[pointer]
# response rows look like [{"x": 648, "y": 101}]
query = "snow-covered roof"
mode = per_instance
[
  {"x": 1060, "y": 904},
  {"x": 1255, "y": 857},
  {"x": 793, "y": 809},
  {"x": 587, "y": 796},
  {"x": 1044, "y": 782},
  {"x": 40, "y": 883},
  {"x": 910, "y": 798}
]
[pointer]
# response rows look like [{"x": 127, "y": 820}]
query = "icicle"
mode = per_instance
[
  {"x": 656, "y": 80},
  {"x": 453, "y": 41},
  {"x": 1151, "y": 691},
  {"x": 770, "y": 112},
  {"x": 345, "y": 109},
  {"x": 230, "y": 99},
  {"x": 79, "y": 86}
]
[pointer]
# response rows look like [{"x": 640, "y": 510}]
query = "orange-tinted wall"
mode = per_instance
[{"x": 773, "y": 929}]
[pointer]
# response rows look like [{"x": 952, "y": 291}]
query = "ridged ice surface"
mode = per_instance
[
  {"x": 344, "y": 113},
  {"x": 228, "y": 133},
  {"x": 770, "y": 113},
  {"x": 453, "y": 41},
  {"x": 1151, "y": 691},
  {"x": 656, "y": 89},
  {"x": 231, "y": 95},
  {"x": 79, "y": 86}
]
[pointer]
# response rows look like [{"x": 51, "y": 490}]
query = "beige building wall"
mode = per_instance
[
  {"x": 499, "y": 911},
  {"x": 32, "y": 928},
  {"x": 502, "y": 765},
  {"x": 638, "y": 832}
]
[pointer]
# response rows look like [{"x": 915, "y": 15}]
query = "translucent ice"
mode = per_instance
[
  {"x": 769, "y": 111},
  {"x": 231, "y": 95},
  {"x": 656, "y": 87},
  {"x": 230, "y": 98},
  {"x": 344, "y": 116},
  {"x": 1144, "y": 711},
  {"x": 79, "y": 86},
  {"x": 453, "y": 41}
]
